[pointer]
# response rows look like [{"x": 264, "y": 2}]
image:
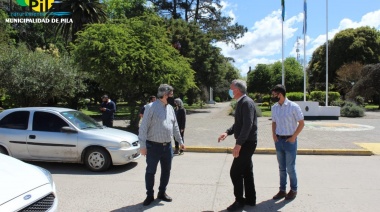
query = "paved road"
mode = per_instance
[
  {"x": 203, "y": 127},
  {"x": 201, "y": 182}
]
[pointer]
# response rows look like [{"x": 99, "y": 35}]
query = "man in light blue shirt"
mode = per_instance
[
  {"x": 287, "y": 123},
  {"x": 158, "y": 126}
]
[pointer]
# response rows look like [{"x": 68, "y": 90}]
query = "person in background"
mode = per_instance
[
  {"x": 142, "y": 109},
  {"x": 108, "y": 109},
  {"x": 244, "y": 130},
  {"x": 180, "y": 113},
  {"x": 156, "y": 132},
  {"x": 287, "y": 123}
]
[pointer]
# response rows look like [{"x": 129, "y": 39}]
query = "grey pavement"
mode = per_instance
[
  {"x": 200, "y": 182},
  {"x": 203, "y": 127}
]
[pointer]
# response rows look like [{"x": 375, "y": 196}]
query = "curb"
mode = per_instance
[{"x": 353, "y": 152}]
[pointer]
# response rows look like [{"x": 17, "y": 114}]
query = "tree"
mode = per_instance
[
  {"x": 132, "y": 58},
  {"x": 119, "y": 9},
  {"x": 206, "y": 60},
  {"x": 348, "y": 75},
  {"x": 33, "y": 78},
  {"x": 351, "y": 45},
  {"x": 368, "y": 85},
  {"x": 293, "y": 74},
  {"x": 205, "y": 14},
  {"x": 6, "y": 30},
  {"x": 259, "y": 79},
  {"x": 82, "y": 12}
]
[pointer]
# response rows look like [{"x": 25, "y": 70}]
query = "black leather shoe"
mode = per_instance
[
  {"x": 250, "y": 203},
  {"x": 236, "y": 206},
  {"x": 164, "y": 197},
  {"x": 148, "y": 200},
  {"x": 279, "y": 195},
  {"x": 291, "y": 195}
]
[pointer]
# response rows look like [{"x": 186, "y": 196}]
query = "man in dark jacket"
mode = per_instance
[
  {"x": 108, "y": 108},
  {"x": 245, "y": 133}
]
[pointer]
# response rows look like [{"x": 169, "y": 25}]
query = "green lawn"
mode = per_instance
[
  {"x": 372, "y": 107},
  {"x": 266, "y": 112},
  {"x": 93, "y": 110}
]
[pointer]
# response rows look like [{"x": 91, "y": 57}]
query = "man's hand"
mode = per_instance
[
  {"x": 236, "y": 151},
  {"x": 222, "y": 137},
  {"x": 275, "y": 139},
  {"x": 143, "y": 151},
  {"x": 182, "y": 147},
  {"x": 291, "y": 139}
]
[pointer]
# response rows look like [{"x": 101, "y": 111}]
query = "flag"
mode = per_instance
[
  {"x": 305, "y": 17},
  {"x": 283, "y": 9}
]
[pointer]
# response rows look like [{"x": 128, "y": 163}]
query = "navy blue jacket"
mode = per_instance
[{"x": 111, "y": 109}]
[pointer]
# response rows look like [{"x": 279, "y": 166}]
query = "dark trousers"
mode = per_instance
[
  {"x": 157, "y": 153},
  {"x": 242, "y": 173},
  {"x": 108, "y": 122},
  {"x": 177, "y": 143}
]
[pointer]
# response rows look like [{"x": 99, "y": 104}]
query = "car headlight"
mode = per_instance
[
  {"x": 48, "y": 175},
  {"x": 125, "y": 145}
]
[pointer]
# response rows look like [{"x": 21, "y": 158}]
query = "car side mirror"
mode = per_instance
[{"x": 67, "y": 129}]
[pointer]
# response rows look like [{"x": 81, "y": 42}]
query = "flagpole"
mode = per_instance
[
  {"x": 283, "y": 71},
  {"x": 304, "y": 53},
  {"x": 327, "y": 55},
  {"x": 282, "y": 38}
]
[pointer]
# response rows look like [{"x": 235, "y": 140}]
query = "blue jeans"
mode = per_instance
[
  {"x": 286, "y": 157},
  {"x": 157, "y": 153}
]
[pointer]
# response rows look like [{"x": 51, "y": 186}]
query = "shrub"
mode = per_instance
[
  {"x": 295, "y": 96},
  {"x": 265, "y": 104},
  {"x": 339, "y": 103},
  {"x": 217, "y": 99},
  {"x": 350, "y": 109},
  {"x": 334, "y": 96},
  {"x": 266, "y": 98},
  {"x": 320, "y": 96},
  {"x": 359, "y": 100}
]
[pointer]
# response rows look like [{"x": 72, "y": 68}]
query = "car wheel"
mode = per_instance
[
  {"x": 3, "y": 151},
  {"x": 97, "y": 159}
]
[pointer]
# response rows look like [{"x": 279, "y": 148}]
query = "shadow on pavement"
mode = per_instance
[
  {"x": 189, "y": 112},
  {"x": 139, "y": 207},
  {"x": 270, "y": 205},
  {"x": 80, "y": 169}
]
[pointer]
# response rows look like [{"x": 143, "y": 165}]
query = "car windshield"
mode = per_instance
[{"x": 81, "y": 120}]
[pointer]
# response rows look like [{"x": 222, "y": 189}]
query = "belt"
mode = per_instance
[
  {"x": 159, "y": 143},
  {"x": 284, "y": 136}
]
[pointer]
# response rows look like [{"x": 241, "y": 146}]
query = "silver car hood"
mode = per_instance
[
  {"x": 18, "y": 178},
  {"x": 113, "y": 134}
]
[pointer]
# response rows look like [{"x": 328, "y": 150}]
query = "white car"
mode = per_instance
[
  {"x": 64, "y": 135},
  {"x": 25, "y": 187}
]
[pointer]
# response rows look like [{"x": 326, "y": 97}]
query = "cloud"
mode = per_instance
[
  {"x": 228, "y": 10},
  {"x": 264, "y": 39}
]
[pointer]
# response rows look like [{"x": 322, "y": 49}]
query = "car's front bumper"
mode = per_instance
[{"x": 124, "y": 156}]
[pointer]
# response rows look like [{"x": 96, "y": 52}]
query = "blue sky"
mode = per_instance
[{"x": 263, "y": 43}]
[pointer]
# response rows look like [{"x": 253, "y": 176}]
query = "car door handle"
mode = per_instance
[{"x": 32, "y": 136}]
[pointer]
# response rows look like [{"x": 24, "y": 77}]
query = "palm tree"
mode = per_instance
[{"x": 82, "y": 12}]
